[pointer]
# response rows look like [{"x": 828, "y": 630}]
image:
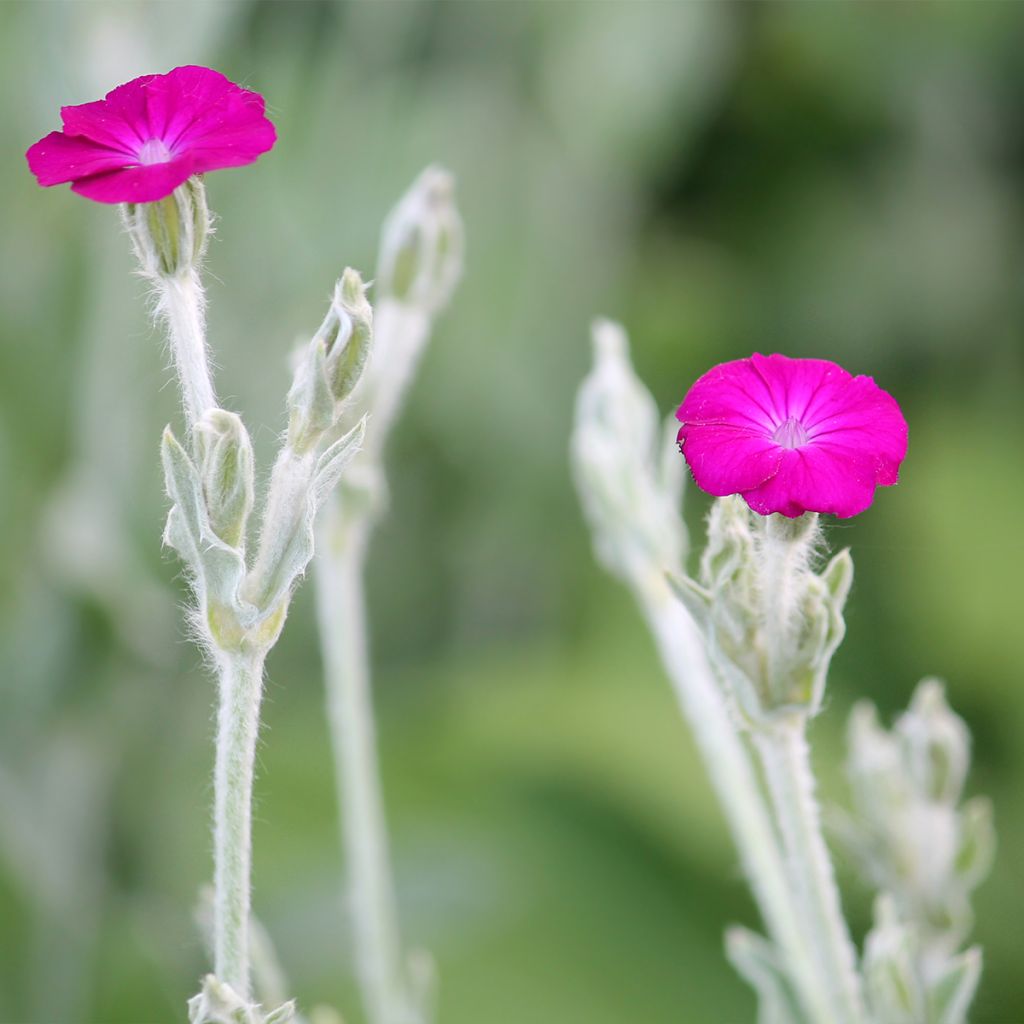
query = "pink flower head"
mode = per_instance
[
  {"x": 792, "y": 435},
  {"x": 146, "y": 137}
]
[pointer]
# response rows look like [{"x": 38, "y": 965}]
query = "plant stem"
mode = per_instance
[
  {"x": 340, "y": 558},
  {"x": 240, "y": 689},
  {"x": 785, "y": 757},
  {"x": 285, "y": 515},
  {"x": 400, "y": 335},
  {"x": 182, "y": 303},
  {"x": 728, "y": 765}
]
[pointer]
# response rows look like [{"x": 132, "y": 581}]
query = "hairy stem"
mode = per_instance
[
  {"x": 284, "y": 520},
  {"x": 785, "y": 757},
  {"x": 784, "y": 552},
  {"x": 240, "y": 689},
  {"x": 728, "y": 765},
  {"x": 182, "y": 304},
  {"x": 340, "y": 558}
]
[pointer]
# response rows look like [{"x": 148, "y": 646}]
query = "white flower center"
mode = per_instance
[
  {"x": 154, "y": 151},
  {"x": 790, "y": 434}
]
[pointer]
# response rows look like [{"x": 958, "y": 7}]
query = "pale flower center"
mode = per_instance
[
  {"x": 790, "y": 434},
  {"x": 154, "y": 151}
]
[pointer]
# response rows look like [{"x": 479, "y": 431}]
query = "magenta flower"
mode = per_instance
[
  {"x": 149, "y": 135},
  {"x": 792, "y": 435}
]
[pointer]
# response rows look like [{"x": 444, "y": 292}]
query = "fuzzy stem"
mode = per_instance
[
  {"x": 182, "y": 304},
  {"x": 240, "y": 688},
  {"x": 734, "y": 780},
  {"x": 400, "y": 336},
  {"x": 284, "y": 518},
  {"x": 784, "y": 552},
  {"x": 340, "y": 558},
  {"x": 785, "y": 757}
]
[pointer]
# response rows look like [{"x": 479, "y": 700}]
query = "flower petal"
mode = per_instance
[
  {"x": 175, "y": 101},
  {"x": 58, "y": 158},
  {"x": 234, "y": 149},
  {"x": 730, "y": 393},
  {"x": 859, "y": 415},
  {"x": 102, "y": 123},
  {"x": 725, "y": 459},
  {"x": 794, "y": 383},
  {"x": 136, "y": 184},
  {"x": 817, "y": 479}
]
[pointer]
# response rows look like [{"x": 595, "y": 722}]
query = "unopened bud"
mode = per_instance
[
  {"x": 169, "y": 236},
  {"x": 350, "y": 332},
  {"x": 225, "y": 467},
  {"x": 891, "y": 953},
  {"x": 775, "y": 661},
  {"x": 632, "y": 506},
  {"x": 935, "y": 743},
  {"x": 422, "y": 243},
  {"x": 977, "y": 846},
  {"x": 332, "y": 365}
]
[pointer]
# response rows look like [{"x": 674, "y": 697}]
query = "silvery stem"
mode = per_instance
[
  {"x": 401, "y": 333},
  {"x": 340, "y": 557},
  {"x": 784, "y": 553},
  {"x": 240, "y": 677},
  {"x": 182, "y": 303},
  {"x": 728, "y": 765},
  {"x": 284, "y": 516},
  {"x": 785, "y": 757}
]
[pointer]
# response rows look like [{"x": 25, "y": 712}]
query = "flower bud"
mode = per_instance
[
  {"x": 935, "y": 743},
  {"x": 977, "y": 845},
  {"x": 225, "y": 459},
  {"x": 218, "y": 1003},
  {"x": 773, "y": 623},
  {"x": 421, "y": 244},
  {"x": 332, "y": 365},
  {"x": 349, "y": 332},
  {"x": 617, "y": 443},
  {"x": 907, "y": 832},
  {"x": 893, "y": 982},
  {"x": 169, "y": 236}
]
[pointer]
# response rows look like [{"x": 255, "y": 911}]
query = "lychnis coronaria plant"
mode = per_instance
[
  {"x": 146, "y": 146},
  {"x": 747, "y": 642}
]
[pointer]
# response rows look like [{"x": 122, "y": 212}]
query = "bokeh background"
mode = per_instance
[{"x": 836, "y": 180}]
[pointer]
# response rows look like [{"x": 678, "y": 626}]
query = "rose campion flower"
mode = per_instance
[
  {"x": 149, "y": 135},
  {"x": 791, "y": 435}
]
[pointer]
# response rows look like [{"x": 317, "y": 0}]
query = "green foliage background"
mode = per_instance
[{"x": 836, "y": 180}]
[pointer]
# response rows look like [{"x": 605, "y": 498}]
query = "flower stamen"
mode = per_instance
[
  {"x": 154, "y": 151},
  {"x": 791, "y": 433}
]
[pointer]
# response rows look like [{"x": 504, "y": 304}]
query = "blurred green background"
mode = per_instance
[{"x": 836, "y": 180}]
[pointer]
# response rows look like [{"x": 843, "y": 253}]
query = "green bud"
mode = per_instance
[
  {"x": 893, "y": 984},
  {"x": 169, "y": 236},
  {"x": 951, "y": 992},
  {"x": 225, "y": 459},
  {"x": 350, "y": 334},
  {"x": 332, "y": 365},
  {"x": 421, "y": 244},
  {"x": 617, "y": 449},
  {"x": 218, "y": 1003},
  {"x": 773, "y": 623},
  {"x": 977, "y": 847},
  {"x": 935, "y": 743}
]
